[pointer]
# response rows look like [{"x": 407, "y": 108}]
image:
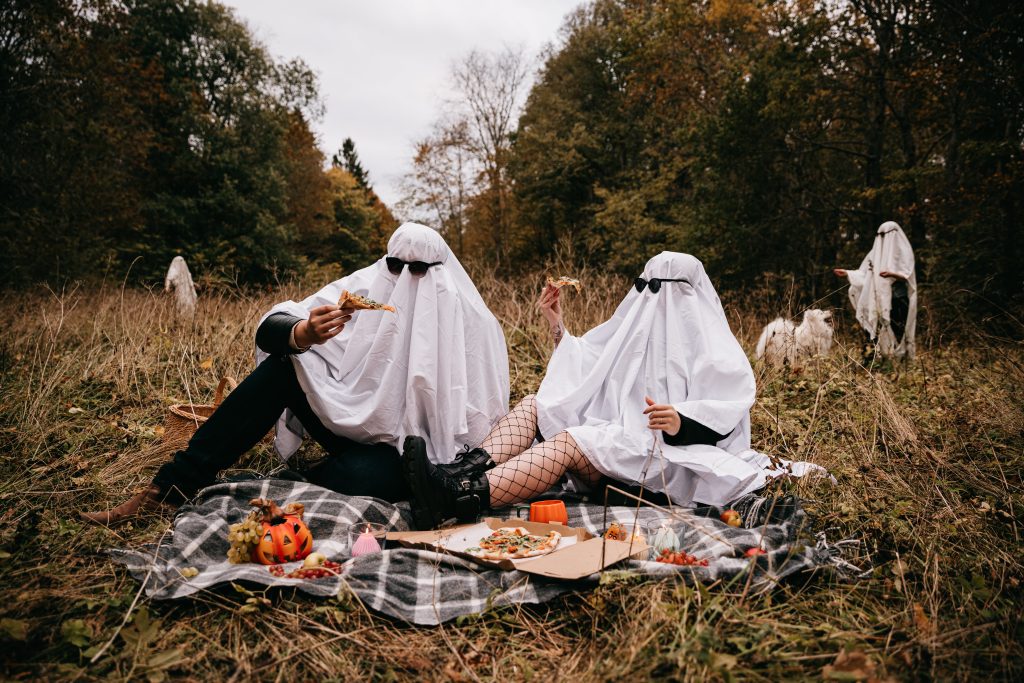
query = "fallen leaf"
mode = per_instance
[
  {"x": 850, "y": 666},
  {"x": 723, "y": 661},
  {"x": 207, "y": 363},
  {"x": 15, "y": 629},
  {"x": 924, "y": 625},
  {"x": 76, "y": 632}
]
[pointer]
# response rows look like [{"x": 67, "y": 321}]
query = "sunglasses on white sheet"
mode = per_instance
[{"x": 654, "y": 284}]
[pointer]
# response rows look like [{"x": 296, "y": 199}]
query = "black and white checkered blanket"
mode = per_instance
[{"x": 429, "y": 588}]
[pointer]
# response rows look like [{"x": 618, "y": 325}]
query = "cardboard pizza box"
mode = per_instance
[{"x": 579, "y": 553}]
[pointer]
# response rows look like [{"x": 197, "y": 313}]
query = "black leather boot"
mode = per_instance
[{"x": 440, "y": 493}]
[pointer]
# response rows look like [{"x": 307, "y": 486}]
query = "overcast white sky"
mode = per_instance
[{"x": 383, "y": 64}]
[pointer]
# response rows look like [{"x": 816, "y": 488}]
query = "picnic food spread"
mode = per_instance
[
  {"x": 564, "y": 281},
  {"x": 513, "y": 543},
  {"x": 322, "y": 570},
  {"x": 361, "y": 303},
  {"x": 680, "y": 558},
  {"x": 270, "y": 535}
]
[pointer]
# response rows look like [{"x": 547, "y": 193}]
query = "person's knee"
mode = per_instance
[{"x": 565, "y": 439}]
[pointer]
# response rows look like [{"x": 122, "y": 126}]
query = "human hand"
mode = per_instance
[
  {"x": 890, "y": 274},
  {"x": 324, "y": 323},
  {"x": 550, "y": 306},
  {"x": 841, "y": 272},
  {"x": 663, "y": 417}
]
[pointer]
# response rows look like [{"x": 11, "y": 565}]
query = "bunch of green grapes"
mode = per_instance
[{"x": 243, "y": 538}]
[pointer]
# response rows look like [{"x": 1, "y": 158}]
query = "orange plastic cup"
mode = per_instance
[{"x": 548, "y": 512}]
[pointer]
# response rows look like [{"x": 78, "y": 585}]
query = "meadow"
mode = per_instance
[{"x": 928, "y": 459}]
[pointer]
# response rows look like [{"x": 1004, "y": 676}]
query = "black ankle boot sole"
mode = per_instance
[{"x": 417, "y": 476}]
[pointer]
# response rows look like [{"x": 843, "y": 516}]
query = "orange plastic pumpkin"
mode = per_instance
[{"x": 286, "y": 537}]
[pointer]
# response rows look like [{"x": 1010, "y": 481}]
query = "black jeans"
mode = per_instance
[{"x": 249, "y": 412}]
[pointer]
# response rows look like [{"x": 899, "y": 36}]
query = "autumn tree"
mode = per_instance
[
  {"x": 443, "y": 179},
  {"x": 460, "y": 174}
]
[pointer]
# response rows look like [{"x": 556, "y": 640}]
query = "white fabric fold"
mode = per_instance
[
  {"x": 436, "y": 368},
  {"x": 871, "y": 294},
  {"x": 674, "y": 346}
]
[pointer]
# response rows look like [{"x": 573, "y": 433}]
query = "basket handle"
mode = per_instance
[{"x": 219, "y": 394}]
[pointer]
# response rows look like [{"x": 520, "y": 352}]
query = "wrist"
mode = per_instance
[
  {"x": 557, "y": 331},
  {"x": 301, "y": 339}
]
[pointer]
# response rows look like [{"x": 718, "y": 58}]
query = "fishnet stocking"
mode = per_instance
[
  {"x": 513, "y": 433},
  {"x": 537, "y": 469}
]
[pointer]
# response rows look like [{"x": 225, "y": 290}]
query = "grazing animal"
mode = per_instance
[
  {"x": 784, "y": 343},
  {"x": 179, "y": 279}
]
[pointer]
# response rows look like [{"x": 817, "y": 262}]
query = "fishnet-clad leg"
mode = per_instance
[
  {"x": 513, "y": 433},
  {"x": 537, "y": 469}
]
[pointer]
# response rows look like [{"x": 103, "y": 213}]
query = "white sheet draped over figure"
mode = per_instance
[
  {"x": 436, "y": 368},
  {"x": 886, "y": 305},
  {"x": 676, "y": 347},
  {"x": 179, "y": 280}
]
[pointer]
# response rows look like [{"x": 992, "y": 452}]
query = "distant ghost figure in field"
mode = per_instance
[
  {"x": 179, "y": 279},
  {"x": 784, "y": 343}
]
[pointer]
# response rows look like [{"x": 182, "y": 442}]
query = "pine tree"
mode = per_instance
[{"x": 348, "y": 158}]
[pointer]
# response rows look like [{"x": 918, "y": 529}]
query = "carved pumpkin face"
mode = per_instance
[{"x": 285, "y": 539}]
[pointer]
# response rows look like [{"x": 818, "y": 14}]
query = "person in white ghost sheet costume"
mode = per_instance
[
  {"x": 883, "y": 292},
  {"x": 437, "y": 366},
  {"x": 664, "y": 368}
]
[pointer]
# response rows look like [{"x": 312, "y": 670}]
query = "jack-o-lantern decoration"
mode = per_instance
[{"x": 285, "y": 537}]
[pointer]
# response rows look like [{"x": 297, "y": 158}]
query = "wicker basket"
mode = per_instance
[{"x": 183, "y": 419}]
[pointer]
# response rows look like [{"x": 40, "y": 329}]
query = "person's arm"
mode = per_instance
[
  {"x": 275, "y": 334},
  {"x": 679, "y": 430},
  {"x": 893, "y": 275},
  {"x": 551, "y": 308},
  {"x": 283, "y": 333},
  {"x": 693, "y": 432}
]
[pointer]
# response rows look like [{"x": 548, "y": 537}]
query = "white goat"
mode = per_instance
[
  {"x": 784, "y": 343},
  {"x": 179, "y": 279}
]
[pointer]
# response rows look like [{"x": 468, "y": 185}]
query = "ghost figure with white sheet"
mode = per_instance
[
  {"x": 668, "y": 349},
  {"x": 437, "y": 367},
  {"x": 883, "y": 291},
  {"x": 357, "y": 381}
]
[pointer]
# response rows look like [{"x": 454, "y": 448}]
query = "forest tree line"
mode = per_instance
[
  {"x": 768, "y": 138},
  {"x": 136, "y": 130}
]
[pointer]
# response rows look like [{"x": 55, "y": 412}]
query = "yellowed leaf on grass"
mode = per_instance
[
  {"x": 924, "y": 625},
  {"x": 207, "y": 363},
  {"x": 850, "y": 666}
]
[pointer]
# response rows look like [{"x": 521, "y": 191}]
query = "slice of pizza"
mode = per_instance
[
  {"x": 564, "y": 281},
  {"x": 514, "y": 543},
  {"x": 361, "y": 303}
]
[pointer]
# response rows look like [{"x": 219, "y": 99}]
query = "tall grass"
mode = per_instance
[{"x": 928, "y": 460}]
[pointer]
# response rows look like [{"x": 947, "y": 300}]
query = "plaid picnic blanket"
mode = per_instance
[{"x": 429, "y": 588}]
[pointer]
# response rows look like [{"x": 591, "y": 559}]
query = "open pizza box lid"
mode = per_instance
[{"x": 578, "y": 553}]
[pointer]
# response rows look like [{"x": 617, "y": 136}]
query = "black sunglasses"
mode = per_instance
[
  {"x": 654, "y": 283},
  {"x": 417, "y": 268}
]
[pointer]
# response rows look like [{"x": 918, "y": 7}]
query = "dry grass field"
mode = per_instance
[{"x": 928, "y": 461}]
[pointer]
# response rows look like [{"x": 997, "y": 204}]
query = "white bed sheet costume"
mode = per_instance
[
  {"x": 436, "y": 368},
  {"x": 676, "y": 347},
  {"x": 871, "y": 294}
]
